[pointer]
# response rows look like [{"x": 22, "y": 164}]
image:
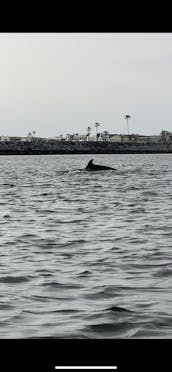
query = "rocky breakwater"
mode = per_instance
[{"x": 44, "y": 146}]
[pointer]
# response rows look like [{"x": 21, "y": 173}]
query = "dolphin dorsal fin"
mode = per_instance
[{"x": 89, "y": 163}]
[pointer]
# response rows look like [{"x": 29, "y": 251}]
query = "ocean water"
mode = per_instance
[{"x": 86, "y": 254}]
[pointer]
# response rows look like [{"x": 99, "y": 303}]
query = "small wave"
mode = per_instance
[
  {"x": 61, "y": 285},
  {"x": 69, "y": 171},
  {"x": 137, "y": 210},
  {"x": 118, "y": 309},
  {"x": 149, "y": 193},
  {"x": 9, "y": 184},
  {"x": 99, "y": 295},
  {"x": 110, "y": 329},
  {"x": 73, "y": 243},
  {"x": 6, "y": 307},
  {"x": 162, "y": 273},
  {"x": 84, "y": 273},
  {"x": 66, "y": 311},
  {"x": 28, "y": 236},
  {"x": 69, "y": 221},
  {"x": 42, "y": 312},
  {"x": 14, "y": 279}
]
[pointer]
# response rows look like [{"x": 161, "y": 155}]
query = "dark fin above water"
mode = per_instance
[
  {"x": 89, "y": 165},
  {"x": 95, "y": 167}
]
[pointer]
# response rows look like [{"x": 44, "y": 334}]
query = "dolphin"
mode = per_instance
[{"x": 94, "y": 167}]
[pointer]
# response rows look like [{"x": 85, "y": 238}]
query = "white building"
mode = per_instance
[
  {"x": 4, "y": 138},
  {"x": 79, "y": 137},
  {"x": 76, "y": 137},
  {"x": 25, "y": 139},
  {"x": 126, "y": 138},
  {"x": 114, "y": 138}
]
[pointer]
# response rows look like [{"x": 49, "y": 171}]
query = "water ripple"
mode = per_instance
[{"x": 86, "y": 255}]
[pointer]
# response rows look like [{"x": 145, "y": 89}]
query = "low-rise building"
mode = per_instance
[
  {"x": 155, "y": 139},
  {"x": 166, "y": 136},
  {"x": 79, "y": 137},
  {"x": 114, "y": 138},
  {"x": 142, "y": 139},
  {"x": 136, "y": 138},
  {"x": 25, "y": 139},
  {"x": 76, "y": 137},
  {"x": 129, "y": 138},
  {"x": 4, "y": 138}
]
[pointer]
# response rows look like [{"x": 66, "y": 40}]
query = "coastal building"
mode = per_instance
[
  {"x": 25, "y": 139},
  {"x": 129, "y": 138},
  {"x": 76, "y": 137},
  {"x": 57, "y": 138},
  {"x": 115, "y": 137},
  {"x": 4, "y": 138},
  {"x": 166, "y": 136},
  {"x": 155, "y": 139},
  {"x": 108, "y": 137},
  {"x": 136, "y": 138}
]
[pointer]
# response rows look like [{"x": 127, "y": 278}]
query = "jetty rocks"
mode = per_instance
[{"x": 38, "y": 146}]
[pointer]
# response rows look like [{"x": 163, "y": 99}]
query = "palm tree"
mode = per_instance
[
  {"x": 96, "y": 125},
  {"x": 127, "y": 117}
]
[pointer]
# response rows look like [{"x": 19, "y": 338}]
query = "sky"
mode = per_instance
[{"x": 59, "y": 83}]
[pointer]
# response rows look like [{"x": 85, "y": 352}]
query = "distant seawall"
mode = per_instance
[{"x": 41, "y": 146}]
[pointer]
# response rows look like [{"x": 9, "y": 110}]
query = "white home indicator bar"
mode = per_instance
[{"x": 86, "y": 367}]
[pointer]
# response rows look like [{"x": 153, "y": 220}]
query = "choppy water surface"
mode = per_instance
[{"x": 77, "y": 246}]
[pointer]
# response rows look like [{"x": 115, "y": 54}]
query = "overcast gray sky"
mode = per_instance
[{"x": 58, "y": 83}]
